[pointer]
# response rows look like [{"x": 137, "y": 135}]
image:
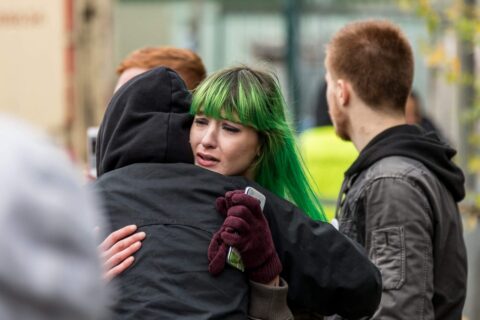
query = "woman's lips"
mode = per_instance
[{"x": 205, "y": 160}]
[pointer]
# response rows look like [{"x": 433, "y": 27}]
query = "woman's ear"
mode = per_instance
[
  {"x": 262, "y": 140},
  {"x": 342, "y": 92}
]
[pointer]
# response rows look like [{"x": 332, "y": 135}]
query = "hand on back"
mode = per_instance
[{"x": 118, "y": 248}]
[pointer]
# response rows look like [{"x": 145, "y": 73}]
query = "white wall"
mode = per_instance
[{"x": 32, "y": 61}]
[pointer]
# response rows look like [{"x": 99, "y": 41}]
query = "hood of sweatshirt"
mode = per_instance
[
  {"x": 413, "y": 142},
  {"x": 147, "y": 121}
]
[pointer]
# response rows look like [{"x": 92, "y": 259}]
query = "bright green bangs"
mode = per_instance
[{"x": 239, "y": 95}]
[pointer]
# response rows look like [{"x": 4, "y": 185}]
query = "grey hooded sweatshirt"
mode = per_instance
[{"x": 49, "y": 266}]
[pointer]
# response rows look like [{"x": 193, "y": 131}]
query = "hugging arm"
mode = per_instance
[{"x": 327, "y": 273}]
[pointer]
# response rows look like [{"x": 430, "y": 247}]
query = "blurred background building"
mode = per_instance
[{"x": 58, "y": 57}]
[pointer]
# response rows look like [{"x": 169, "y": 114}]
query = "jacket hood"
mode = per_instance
[
  {"x": 147, "y": 121},
  {"x": 413, "y": 142}
]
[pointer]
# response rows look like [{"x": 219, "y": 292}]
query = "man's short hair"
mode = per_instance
[
  {"x": 376, "y": 58},
  {"x": 185, "y": 62}
]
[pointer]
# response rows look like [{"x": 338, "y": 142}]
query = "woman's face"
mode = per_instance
[{"x": 223, "y": 146}]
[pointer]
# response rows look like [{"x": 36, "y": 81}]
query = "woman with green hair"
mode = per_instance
[
  {"x": 240, "y": 134},
  {"x": 252, "y": 100}
]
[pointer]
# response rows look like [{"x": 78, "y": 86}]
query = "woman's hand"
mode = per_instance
[
  {"x": 118, "y": 248},
  {"x": 246, "y": 229}
]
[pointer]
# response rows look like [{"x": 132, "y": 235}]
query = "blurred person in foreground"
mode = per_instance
[
  {"x": 50, "y": 266},
  {"x": 326, "y": 156},
  {"x": 399, "y": 198}
]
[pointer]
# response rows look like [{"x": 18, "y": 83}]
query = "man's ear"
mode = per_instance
[{"x": 342, "y": 92}]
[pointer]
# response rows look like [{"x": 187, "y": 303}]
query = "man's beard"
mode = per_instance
[
  {"x": 342, "y": 132},
  {"x": 341, "y": 124}
]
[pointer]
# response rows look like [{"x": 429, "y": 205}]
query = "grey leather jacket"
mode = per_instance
[{"x": 411, "y": 228}]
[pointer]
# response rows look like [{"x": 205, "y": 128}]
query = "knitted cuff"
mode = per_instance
[{"x": 267, "y": 302}]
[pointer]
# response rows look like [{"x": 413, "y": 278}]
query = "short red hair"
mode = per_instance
[
  {"x": 185, "y": 62},
  {"x": 377, "y": 59}
]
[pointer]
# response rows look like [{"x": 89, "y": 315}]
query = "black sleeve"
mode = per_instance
[{"x": 326, "y": 272}]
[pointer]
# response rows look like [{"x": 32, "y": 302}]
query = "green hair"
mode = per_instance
[{"x": 253, "y": 98}]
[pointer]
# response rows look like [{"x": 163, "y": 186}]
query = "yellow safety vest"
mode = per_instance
[{"x": 326, "y": 158}]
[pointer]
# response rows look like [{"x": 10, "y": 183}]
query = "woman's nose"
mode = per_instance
[{"x": 209, "y": 139}]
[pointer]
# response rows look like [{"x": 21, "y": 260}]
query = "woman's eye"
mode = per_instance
[
  {"x": 201, "y": 121},
  {"x": 230, "y": 128}
]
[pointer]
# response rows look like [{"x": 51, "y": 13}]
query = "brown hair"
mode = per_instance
[
  {"x": 185, "y": 62},
  {"x": 376, "y": 58}
]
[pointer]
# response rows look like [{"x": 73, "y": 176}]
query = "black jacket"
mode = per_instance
[
  {"x": 174, "y": 204},
  {"x": 399, "y": 200}
]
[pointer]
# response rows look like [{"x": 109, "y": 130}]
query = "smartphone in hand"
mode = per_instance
[{"x": 251, "y": 191}]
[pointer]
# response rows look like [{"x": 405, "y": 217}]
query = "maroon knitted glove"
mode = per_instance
[
  {"x": 225, "y": 203},
  {"x": 217, "y": 251},
  {"x": 217, "y": 254},
  {"x": 246, "y": 229}
]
